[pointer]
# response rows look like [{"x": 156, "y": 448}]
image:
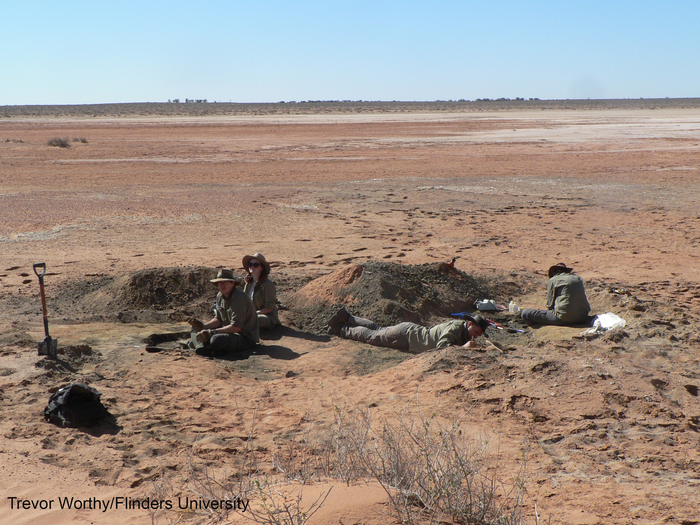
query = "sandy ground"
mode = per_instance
[{"x": 609, "y": 426}]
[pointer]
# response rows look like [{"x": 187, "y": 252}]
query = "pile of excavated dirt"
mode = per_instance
[
  {"x": 150, "y": 295},
  {"x": 390, "y": 293}
]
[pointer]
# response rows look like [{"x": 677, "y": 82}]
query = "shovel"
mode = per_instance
[{"x": 48, "y": 346}]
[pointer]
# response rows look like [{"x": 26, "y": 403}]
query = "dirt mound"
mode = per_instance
[
  {"x": 388, "y": 293},
  {"x": 153, "y": 295}
]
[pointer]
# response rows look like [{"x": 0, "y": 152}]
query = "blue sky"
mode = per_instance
[{"x": 84, "y": 52}]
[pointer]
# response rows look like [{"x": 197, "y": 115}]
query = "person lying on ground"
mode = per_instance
[
  {"x": 261, "y": 289},
  {"x": 235, "y": 327},
  {"x": 407, "y": 337},
  {"x": 567, "y": 303}
]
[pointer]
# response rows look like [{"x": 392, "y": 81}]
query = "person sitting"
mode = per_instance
[
  {"x": 567, "y": 303},
  {"x": 407, "y": 337},
  {"x": 261, "y": 289},
  {"x": 235, "y": 326}
]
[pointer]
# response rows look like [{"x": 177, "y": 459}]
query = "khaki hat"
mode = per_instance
[
  {"x": 260, "y": 257},
  {"x": 559, "y": 268},
  {"x": 225, "y": 275},
  {"x": 481, "y": 322}
]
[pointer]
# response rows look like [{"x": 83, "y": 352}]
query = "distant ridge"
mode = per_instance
[{"x": 202, "y": 109}]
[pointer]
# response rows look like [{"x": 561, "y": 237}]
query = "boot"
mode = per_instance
[{"x": 339, "y": 319}]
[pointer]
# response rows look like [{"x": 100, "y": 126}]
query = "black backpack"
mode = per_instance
[{"x": 75, "y": 405}]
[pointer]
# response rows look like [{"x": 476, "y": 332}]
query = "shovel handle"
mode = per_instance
[
  {"x": 40, "y": 265},
  {"x": 43, "y": 295}
]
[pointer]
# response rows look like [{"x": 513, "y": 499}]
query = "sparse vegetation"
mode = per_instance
[
  {"x": 58, "y": 142},
  {"x": 179, "y": 107},
  {"x": 82, "y": 140},
  {"x": 430, "y": 472}
]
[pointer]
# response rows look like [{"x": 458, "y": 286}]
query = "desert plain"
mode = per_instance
[{"x": 591, "y": 429}]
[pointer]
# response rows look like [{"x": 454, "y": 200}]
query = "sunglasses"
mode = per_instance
[{"x": 253, "y": 264}]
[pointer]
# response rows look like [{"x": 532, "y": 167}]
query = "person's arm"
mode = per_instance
[
  {"x": 452, "y": 336},
  {"x": 214, "y": 323},
  {"x": 551, "y": 293},
  {"x": 269, "y": 297},
  {"x": 489, "y": 346},
  {"x": 215, "y": 326},
  {"x": 228, "y": 329}
]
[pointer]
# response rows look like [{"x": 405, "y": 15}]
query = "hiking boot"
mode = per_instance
[{"x": 339, "y": 319}]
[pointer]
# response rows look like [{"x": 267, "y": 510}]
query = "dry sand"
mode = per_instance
[{"x": 609, "y": 426}]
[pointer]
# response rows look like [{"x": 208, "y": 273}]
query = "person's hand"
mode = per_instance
[
  {"x": 204, "y": 336},
  {"x": 196, "y": 324},
  {"x": 469, "y": 344}
]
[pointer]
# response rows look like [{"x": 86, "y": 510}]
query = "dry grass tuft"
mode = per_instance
[{"x": 58, "y": 142}]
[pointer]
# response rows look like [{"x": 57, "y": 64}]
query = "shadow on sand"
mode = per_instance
[
  {"x": 108, "y": 425},
  {"x": 273, "y": 351},
  {"x": 280, "y": 331}
]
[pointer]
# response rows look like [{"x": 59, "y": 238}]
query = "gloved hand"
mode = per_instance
[
  {"x": 196, "y": 324},
  {"x": 204, "y": 336}
]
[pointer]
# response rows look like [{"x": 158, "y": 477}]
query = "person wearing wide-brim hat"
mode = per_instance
[
  {"x": 567, "y": 303},
  {"x": 235, "y": 326},
  {"x": 261, "y": 289}
]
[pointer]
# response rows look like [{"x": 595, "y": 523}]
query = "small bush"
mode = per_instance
[
  {"x": 58, "y": 142},
  {"x": 82, "y": 140}
]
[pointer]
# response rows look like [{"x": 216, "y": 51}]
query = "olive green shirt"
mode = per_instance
[
  {"x": 421, "y": 339},
  {"x": 264, "y": 296},
  {"x": 237, "y": 309},
  {"x": 566, "y": 295}
]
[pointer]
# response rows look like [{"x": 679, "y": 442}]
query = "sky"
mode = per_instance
[{"x": 108, "y": 51}]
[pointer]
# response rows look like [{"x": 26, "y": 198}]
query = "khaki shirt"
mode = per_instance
[
  {"x": 264, "y": 296},
  {"x": 566, "y": 295},
  {"x": 421, "y": 339},
  {"x": 237, "y": 309}
]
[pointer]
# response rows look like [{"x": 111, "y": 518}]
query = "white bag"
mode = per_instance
[
  {"x": 605, "y": 322},
  {"x": 486, "y": 305}
]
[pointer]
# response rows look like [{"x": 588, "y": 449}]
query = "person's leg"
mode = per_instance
[
  {"x": 343, "y": 318},
  {"x": 390, "y": 337},
  {"x": 264, "y": 321},
  {"x": 203, "y": 349},
  {"x": 353, "y": 320},
  {"x": 223, "y": 343},
  {"x": 541, "y": 317},
  {"x": 193, "y": 338}
]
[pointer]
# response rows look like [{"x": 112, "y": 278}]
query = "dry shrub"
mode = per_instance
[
  {"x": 266, "y": 499},
  {"x": 431, "y": 472},
  {"x": 58, "y": 142}
]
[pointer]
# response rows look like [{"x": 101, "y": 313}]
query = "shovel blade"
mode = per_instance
[{"x": 49, "y": 347}]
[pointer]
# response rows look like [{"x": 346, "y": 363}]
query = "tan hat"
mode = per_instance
[
  {"x": 260, "y": 257},
  {"x": 559, "y": 268},
  {"x": 225, "y": 275}
]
